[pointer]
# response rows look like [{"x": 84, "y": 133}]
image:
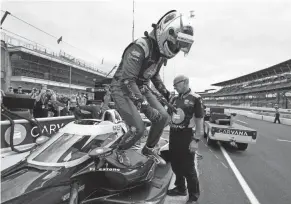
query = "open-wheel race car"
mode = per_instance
[{"x": 78, "y": 164}]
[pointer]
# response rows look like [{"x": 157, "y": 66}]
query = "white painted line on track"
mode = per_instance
[
  {"x": 283, "y": 140},
  {"x": 224, "y": 164},
  {"x": 242, "y": 121},
  {"x": 216, "y": 156},
  {"x": 252, "y": 198}
]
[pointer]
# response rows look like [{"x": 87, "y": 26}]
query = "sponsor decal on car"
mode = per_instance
[
  {"x": 104, "y": 169},
  {"x": 47, "y": 129},
  {"x": 233, "y": 132},
  {"x": 19, "y": 134}
]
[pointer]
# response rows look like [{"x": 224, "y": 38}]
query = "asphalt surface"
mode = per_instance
[
  {"x": 217, "y": 181},
  {"x": 265, "y": 166}
]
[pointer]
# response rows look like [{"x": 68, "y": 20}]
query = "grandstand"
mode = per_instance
[
  {"x": 29, "y": 65},
  {"x": 263, "y": 88}
]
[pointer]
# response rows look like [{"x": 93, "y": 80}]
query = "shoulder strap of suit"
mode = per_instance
[{"x": 143, "y": 43}]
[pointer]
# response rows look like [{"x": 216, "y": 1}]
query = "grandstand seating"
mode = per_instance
[
  {"x": 270, "y": 83},
  {"x": 32, "y": 66},
  {"x": 12, "y": 41},
  {"x": 260, "y": 88}
]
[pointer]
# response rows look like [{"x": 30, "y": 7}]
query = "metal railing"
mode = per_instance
[{"x": 12, "y": 41}]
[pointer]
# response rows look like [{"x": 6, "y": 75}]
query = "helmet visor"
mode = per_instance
[{"x": 184, "y": 42}]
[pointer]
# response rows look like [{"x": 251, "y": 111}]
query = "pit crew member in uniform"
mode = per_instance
[
  {"x": 140, "y": 63},
  {"x": 277, "y": 114},
  {"x": 183, "y": 144}
]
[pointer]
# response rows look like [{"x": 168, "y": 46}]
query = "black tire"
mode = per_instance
[{"x": 242, "y": 146}]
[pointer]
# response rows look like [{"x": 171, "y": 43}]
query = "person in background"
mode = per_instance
[
  {"x": 10, "y": 90},
  {"x": 183, "y": 144},
  {"x": 277, "y": 114},
  {"x": 64, "y": 111},
  {"x": 40, "y": 110},
  {"x": 106, "y": 100},
  {"x": 78, "y": 97},
  {"x": 82, "y": 100},
  {"x": 33, "y": 93},
  {"x": 51, "y": 102},
  {"x": 73, "y": 107},
  {"x": 73, "y": 102},
  {"x": 76, "y": 109},
  {"x": 19, "y": 90}
]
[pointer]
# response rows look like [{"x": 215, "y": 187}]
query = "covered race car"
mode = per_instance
[{"x": 78, "y": 165}]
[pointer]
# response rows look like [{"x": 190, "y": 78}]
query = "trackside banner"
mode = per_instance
[{"x": 25, "y": 133}]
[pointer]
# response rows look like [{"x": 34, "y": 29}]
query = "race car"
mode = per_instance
[{"x": 78, "y": 164}]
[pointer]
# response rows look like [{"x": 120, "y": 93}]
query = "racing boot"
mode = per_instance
[
  {"x": 123, "y": 158},
  {"x": 150, "y": 152},
  {"x": 177, "y": 192}
]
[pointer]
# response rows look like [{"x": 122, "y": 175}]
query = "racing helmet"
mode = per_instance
[{"x": 173, "y": 33}]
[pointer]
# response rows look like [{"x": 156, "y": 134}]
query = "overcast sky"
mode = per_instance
[{"x": 232, "y": 38}]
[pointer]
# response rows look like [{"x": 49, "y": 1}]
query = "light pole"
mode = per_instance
[
  {"x": 70, "y": 81},
  {"x": 132, "y": 20}
]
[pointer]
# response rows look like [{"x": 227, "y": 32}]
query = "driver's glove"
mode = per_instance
[
  {"x": 171, "y": 109},
  {"x": 166, "y": 94},
  {"x": 151, "y": 113}
]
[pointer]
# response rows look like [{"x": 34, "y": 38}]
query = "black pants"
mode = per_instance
[
  {"x": 277, "y": 118},
  {"x": 182, "y": 161}
]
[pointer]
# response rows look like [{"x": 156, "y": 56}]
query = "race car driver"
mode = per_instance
[
  {"x": 183, "y": 144},
  {"x": 141, "y": 62}
]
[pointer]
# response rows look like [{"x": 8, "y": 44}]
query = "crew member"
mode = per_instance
[
  {"x": 183, "y": 143},
  {"x": 277, "y": 114},
  {"x": 140, "y": 63},
  {"x": 40, "y": 110},
  {"x": 106, "y": 99}
]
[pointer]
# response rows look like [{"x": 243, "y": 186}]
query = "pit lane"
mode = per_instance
[
  {"x": 217, "y": 182},
  {"x": 265, "y": 167}
]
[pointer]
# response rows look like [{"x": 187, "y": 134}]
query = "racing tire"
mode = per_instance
[{"x": 242, "y": 146}]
